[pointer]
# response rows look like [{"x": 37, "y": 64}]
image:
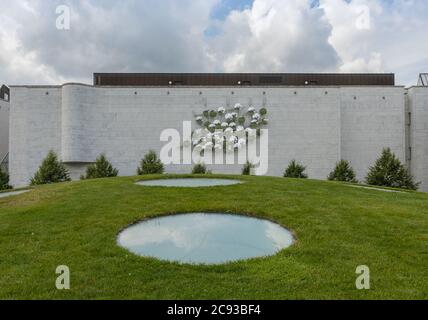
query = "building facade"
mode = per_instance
[{"x": 315, "y": 119}]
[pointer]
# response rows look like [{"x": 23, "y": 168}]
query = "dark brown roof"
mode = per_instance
[{"x": 243, "y": 79}]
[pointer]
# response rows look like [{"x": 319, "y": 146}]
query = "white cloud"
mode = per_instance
[
  {"x": 15, "y": 61},
  {"x": 393, "y": 42},
  {"x": 170, "y": 36},
  {"x": 275, "y": 36},
  {"x": 352, "y": 28},
  {"x": 108, "y": 35}
]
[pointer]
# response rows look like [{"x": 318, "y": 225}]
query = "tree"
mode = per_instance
[
  {"x": 102, "y": 168},
  {"x": 4, "y": 180},
  {"x": 343, "y": 172},
  {"x": 246, "y": 170},
  {"x": 295, "y": 170},
  {"x": 150, "y": 164},
  {"x": 389, "y": 172},
  {"x": 51, "y": 170},
  {"x": 199, "y": 168}
]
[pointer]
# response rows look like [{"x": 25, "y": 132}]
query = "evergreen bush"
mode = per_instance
[
  {"x": 4, "y": 180},
  {"x": 199, "y": 168},
  {"x": 51, "y": 170},
  {"x": 150, "y": 164},
  {"x": 343, "y": 172},
  {"x": 102, "y": 168},
  {"x": 388, "y": 171},
  {"x": 246, "y": 170},
  {"x": 295, "y": 170}
]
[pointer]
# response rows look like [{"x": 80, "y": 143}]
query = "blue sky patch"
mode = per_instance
[{"x": 222, "y": 10}]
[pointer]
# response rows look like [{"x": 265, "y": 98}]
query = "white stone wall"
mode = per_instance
[
  {"x": 314, "y": 125},
  {"x": 418, "y": 106},
  {"x": 35, "y": 128},
  {"x": 371, "y": 119},
  {"x": 4, "y": 128}
]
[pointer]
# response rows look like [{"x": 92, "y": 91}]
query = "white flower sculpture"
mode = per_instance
[
  {"x": 237, "y": 125},
  {"x": 218, "y": 139},
  {"x": 240, "y": 144},
  {"x": 233, "y": 139},
  {"x": 228, "y": 131}
]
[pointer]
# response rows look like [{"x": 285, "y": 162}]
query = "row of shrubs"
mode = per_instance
[
  {"x": 52, "y": 170},
  {"x": 387, "y": 171}
]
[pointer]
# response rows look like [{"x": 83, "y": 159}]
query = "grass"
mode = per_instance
[{"x": 337, "y": 227}]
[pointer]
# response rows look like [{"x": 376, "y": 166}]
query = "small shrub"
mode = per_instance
[
  {"x": 246, "y": 170},
  {"x": 51, "y": 171},
  {"x": 343, "y": 172},
  {"x": 4, "y": 180},
  {"x": 389, "y": 172},
  {"x": 102, "y": 168},
  {"x": 199, "y": 168},
  {"x": 295, "y": 170},
  {"x": 150, "y": 164}
]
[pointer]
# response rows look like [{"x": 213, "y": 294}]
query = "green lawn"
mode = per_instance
[{"x": 337, "y": 228}]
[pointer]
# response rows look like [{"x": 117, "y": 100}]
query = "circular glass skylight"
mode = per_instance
[{"x": 205, "y": 238}]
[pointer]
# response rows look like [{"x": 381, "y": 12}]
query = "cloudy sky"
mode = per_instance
[{"x": 211, "y": 36}]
